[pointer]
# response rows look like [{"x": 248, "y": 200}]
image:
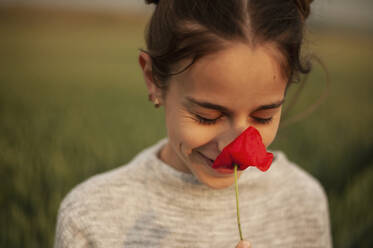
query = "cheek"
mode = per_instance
[
  {"x": 190, "y": 134},
  {"x": 195, "y": 136},
  {"x": 269, "y": 134},
  {"x": 183, "y": 130},
  {"x": 268, "y": 139}
]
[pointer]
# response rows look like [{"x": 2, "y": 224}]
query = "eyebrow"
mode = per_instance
[{"x": 226, "y": 110}]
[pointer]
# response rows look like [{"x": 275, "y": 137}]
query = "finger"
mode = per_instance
[{"x": 244, "y": 244}]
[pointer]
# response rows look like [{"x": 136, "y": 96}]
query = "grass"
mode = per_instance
[{"x": 73, "y": 104}]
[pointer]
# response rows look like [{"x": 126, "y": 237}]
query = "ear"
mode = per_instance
[{"x": 145, "y": 62}]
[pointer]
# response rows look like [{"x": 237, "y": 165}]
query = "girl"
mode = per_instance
[{"x": 217, "y": 67}]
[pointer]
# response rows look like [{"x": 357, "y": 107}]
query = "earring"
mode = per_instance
[{"x": 156, "y": 101}]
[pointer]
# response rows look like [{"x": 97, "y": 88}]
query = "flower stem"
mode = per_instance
[{"x": 237, "y": 201}]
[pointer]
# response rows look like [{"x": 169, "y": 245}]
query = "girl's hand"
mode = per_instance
[{"x": 243, "y": 244}]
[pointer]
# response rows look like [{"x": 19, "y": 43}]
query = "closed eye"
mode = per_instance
[
  {"x": 206, "y": 121},
  {"x": 263, "y": 120}
]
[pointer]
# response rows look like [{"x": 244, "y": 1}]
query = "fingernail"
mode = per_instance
[{"x": 246, "y": 244}]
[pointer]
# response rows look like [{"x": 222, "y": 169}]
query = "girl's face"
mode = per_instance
[{"x": 211, "y": 103}]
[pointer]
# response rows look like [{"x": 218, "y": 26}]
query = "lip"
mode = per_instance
[{"x": 210, "y": 162}]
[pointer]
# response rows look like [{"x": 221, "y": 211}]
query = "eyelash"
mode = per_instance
[
  {"x": 263, "y": 121},
  {"x": 205, "y": 121}
]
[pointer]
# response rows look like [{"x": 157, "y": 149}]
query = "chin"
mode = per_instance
[
  {"x": 217, "y": 182},
  {"x": 203, "y": 171}
]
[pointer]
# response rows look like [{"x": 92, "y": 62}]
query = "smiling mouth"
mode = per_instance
[{"x": 208, "y": 161}]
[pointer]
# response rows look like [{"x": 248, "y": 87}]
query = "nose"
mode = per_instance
[{"x": 231, "y": 133}]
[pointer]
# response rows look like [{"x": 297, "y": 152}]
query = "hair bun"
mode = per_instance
[
  {"x": 304, "y": 7},
  {"x": 152, "y": 1}
]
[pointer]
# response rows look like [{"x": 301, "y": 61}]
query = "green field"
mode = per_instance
[{"x": 73, "y": 104}]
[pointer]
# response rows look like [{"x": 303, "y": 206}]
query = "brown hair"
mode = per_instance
[{"x": 191, "y": 29}]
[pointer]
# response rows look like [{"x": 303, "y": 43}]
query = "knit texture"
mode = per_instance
[{"x": 147, "y": 203}]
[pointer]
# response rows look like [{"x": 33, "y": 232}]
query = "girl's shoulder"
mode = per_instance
[
  {"x": 288, "y": 179},
  {"x": 111, "y": 188},
  {"x": 110, "y": 199},
  {"x": 298, "y": 185},
  {"x": 295, "y": 174},
  {"x": 290, "y": 198}
]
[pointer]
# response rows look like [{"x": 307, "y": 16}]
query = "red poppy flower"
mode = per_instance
[{"x": 246, "y": 150}]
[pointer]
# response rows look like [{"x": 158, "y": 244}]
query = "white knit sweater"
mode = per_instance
[{"x": 147, "y": 203}]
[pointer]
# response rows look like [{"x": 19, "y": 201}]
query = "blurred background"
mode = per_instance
[{"x": 73, "y": 103}]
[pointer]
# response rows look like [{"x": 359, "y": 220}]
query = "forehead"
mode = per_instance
[{"x": 237, "y": 75}]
